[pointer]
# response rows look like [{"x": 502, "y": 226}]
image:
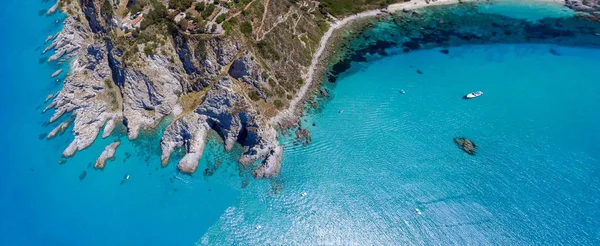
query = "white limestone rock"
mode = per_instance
[
  {"x": 108, "y": 153},
  {"x": 150, "y": 93},
  {"x": 59, "y": 129},
  {"x": 52, "y": 9},
  {"x": 56, "y": 73}
]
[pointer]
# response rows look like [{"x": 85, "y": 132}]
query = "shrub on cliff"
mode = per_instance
[
  {"x": 246, "y": 28},
  {"x": 182, "y": 5},
  {"x": 278, "y": 103}
]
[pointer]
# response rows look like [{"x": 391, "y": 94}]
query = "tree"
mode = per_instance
[
  {"x": 107, "y": 9},
  {"x": 278, "y": 103},
  {"x": 200, "y": 6},
  {"x": 157, "y": 14},
  {"x": 221, "y": 18},
  {"x": 208, "y": 11}
]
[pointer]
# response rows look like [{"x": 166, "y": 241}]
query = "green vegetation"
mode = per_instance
[
  {"x": 201, "y": 48},
  {"x": 199, "y": 7},
  {"x": 107, "y": 9},
  {"x": 182, "y": 5},
  {"x": 278, "y": 103},
  {"x": 221, "y": 18},
  {"x": 150, "y": 49},
  {"x": 113, "y": 97},
  {"x": 268, "y": 50},
  {"x": 138, "y": 6},
  {"x": 348, "y": 7},
  {"x": 157, "y": 15},
  {"x": 208, "y": 11},
  {"x": 246, "y": 28},
  {"x": 253, "y": 96},
  {"x": 241, "y": 3}
]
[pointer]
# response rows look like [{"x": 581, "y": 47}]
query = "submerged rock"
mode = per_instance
[
  {"x": 466, "y": 145},
  {"x": 82, "y": 175}
]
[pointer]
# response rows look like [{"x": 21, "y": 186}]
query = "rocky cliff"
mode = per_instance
[
  {"x": 229, "y": 71},
  {"x": 205, "y": 82}
]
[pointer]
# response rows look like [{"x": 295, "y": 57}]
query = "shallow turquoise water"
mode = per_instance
[{"x": 535, "y": 177}]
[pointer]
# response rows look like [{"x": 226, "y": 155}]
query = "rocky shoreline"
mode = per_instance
[
  {"x": 101, "y": 92},
  {"x": 203, "y": 93}
]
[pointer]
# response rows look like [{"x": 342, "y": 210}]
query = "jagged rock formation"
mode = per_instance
[
  {"x": 202, "y": 83},
  {"x": 85, "y": 93},
  {"x": 230, "y": 115},
  {"x": 583, "y": 5},
  {"x": 59, "y": 129},
  {"x": 108, "y": 153}
]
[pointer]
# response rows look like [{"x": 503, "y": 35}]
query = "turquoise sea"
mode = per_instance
[{"x": 383, "y": 172}]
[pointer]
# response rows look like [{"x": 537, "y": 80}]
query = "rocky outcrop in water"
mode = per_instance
[
  {"x": 56, "y": 73},
  {"x": 60, "y": 129},
  {"x": 70, "y": 39},
  {"x": 52, "y": 9},
  {"x": 466, "y": 145},
  {"x": 227, "y": 113},
  {"x": 108, "y": 153},
  {"x": 87, "y": 92}
]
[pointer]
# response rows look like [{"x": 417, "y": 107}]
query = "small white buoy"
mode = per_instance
[
  {"x": 258, "y": 227},
  {"x": 127, "y": 177},
  {"x": 418, "y": 211},
  {"x": 304, "y": 194}
]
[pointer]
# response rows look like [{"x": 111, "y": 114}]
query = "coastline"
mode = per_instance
[
  {"x": 292, "y": 111},
  {"x": 262, "y": 144},
  {"x": 328, "y": 45}
]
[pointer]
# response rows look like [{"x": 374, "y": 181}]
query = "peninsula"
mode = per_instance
[{"x": 241, "y": 68}]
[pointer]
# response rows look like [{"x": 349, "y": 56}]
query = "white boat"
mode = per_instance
[
  {"x": 473, "y": 95},
  {"x": 258, "y": 227},
  {"x": 304, "y": 194},
  {"x": 402, "y": 91}
]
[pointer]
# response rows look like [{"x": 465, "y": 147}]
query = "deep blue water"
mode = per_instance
[{"x": 535, "y": 179}]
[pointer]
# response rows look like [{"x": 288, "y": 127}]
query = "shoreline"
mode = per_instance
[{"x": 291, "y": 113}]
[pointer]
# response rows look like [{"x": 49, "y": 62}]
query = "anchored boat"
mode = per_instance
[{"x": 473, "y": 95}]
